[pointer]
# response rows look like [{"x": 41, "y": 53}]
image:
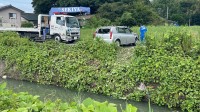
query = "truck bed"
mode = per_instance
[{"x": 19, "y": 29}]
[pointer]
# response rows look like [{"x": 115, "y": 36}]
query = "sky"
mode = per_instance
[{"x": 24, "y": 5}]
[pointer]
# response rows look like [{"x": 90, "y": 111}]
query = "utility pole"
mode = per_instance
[
  {"x": 189, "y": 18},
  {"x": 167, "y": 12},
  {"x": 189, "y": 21}
]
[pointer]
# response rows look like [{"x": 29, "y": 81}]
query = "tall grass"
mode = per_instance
[
  {"x": 159, "y": 31},
  {"x": 156, "y": 31},
  {"x": 87, "y": 33}
]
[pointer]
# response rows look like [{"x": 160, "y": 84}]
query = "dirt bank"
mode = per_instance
[
  {"x": 10, "y": 72},
  {"x": 2, "y": 68}
]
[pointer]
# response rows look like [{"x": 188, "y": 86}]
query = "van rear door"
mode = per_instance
[{"x": 104, "y": 33}]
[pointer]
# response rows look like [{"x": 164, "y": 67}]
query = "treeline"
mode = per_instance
[
  {"x": 131, "y": 12},
  {"x": 185, "y": 12}
]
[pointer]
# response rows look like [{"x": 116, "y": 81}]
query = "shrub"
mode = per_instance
[{"x": 27, "y": 24}]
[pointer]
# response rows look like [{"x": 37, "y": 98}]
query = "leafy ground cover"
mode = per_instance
[
  {"x": 168, "y": 63},
  {"x": 24, "y": 102}
]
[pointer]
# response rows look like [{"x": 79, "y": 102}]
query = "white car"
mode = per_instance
[{"x": 122, "y": 35}]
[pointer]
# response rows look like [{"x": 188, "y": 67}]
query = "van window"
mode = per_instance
[
  {"x": 72, "y": 22},
  {"x": 59, "y": 21},
  {"x": 123, "y": 30},
  {"x": 120, "y": 30},
  {"x": 128, "y": 31},
  {"x": 104, "y": 31}
]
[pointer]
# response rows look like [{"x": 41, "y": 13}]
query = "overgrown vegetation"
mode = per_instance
[
  {"x": 24, "y": 102},
  {"x": 168, "y": 64},
  {"x": 170, "y": 68}
]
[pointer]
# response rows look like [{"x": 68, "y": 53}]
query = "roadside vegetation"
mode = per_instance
[{"x": 168, "y": 63}]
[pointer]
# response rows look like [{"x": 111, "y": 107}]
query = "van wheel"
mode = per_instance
[
  {"x": 133, "y": 44},
  {"x": 57, "y": 38},
  {"x": 136, "y": 40},
  {"x": 118, "y": 43}
]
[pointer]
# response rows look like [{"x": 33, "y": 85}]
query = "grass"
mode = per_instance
[
  {"x": 87, "y": 33},
  {"x": 159, "y": 31}
]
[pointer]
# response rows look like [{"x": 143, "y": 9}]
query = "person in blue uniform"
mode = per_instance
[{"x": 143, "y": 30}]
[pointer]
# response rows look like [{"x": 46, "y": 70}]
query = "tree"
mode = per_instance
[
  {"x": 112, "y": 11},
  {"x": 180, "y": 18},
  {"x": 96, "y": 21},
  {"x": 188, "y": 7},
  {"x": 179, "y": 10},
  {"x": 127, "y": 19},
  {"x": 144, "y": 14},
  {"x": 43, "y": 6},
  {"x": 195, "y": 19},
  {"x": 162, "y": 6},
  {"x": 128, "y": 14}
]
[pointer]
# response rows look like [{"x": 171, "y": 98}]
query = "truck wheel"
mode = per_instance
[
  {"x": 72, "y": 41},
  {"x": 57, "y": 38}
]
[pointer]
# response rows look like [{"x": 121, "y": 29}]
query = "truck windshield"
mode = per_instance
[{"x": 72, "y": 22}]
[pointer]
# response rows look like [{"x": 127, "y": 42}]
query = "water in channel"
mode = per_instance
[{"x": 49, "y": 92}]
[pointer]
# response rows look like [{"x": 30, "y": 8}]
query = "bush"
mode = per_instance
[
  {"x": 27, "y": 24},
  {"x": 126, "y": 20},
  {"x": 95, "y": 22}
]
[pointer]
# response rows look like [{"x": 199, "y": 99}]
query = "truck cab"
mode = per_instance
[
  {"x": 64, "y": 28},
  {"x": 60, "y": 27}
]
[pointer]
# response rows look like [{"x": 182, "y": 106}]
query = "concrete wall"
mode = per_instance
[{"x": 6, "y": 21}]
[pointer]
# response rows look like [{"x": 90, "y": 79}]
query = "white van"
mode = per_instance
[{"x": 122, "y": 35}]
